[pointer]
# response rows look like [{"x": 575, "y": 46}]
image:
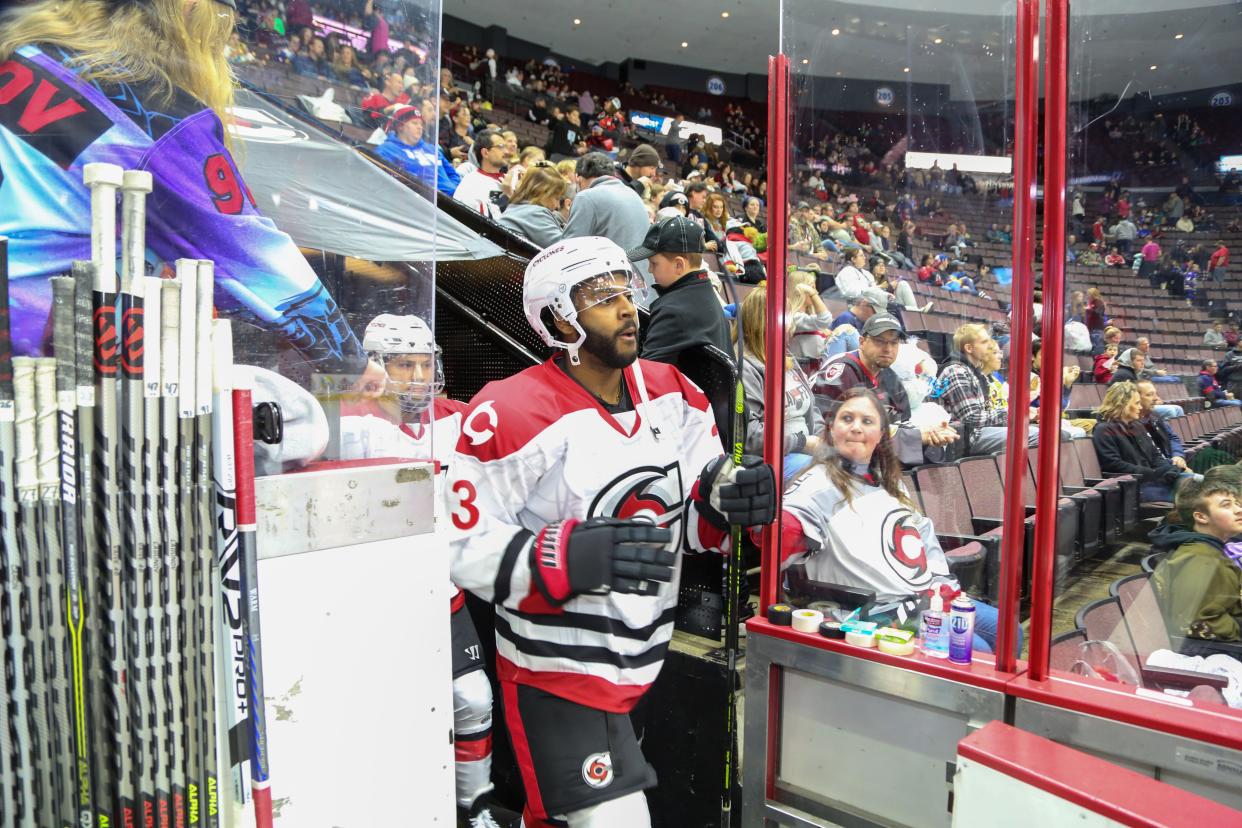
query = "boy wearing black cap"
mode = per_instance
[{"x": 686, "y": 311}]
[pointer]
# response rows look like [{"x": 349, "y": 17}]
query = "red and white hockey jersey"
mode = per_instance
[
  {"x": 367, "y": 433},
  {"x": 537, "y": 448}
]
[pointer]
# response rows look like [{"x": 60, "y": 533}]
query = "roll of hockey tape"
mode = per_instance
[
  {"x": 832, "y": 629},
  {"x": 860, "y": 639},
  {"x": 901, "y": 648},
  {"x": 780, "y": 614},
  {"x": 807, "y": 620}
]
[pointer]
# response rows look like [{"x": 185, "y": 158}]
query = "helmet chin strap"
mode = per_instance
[{"x": 644, "y": 404}]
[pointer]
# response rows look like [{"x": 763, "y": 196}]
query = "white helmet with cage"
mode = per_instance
[
  {"x": 389, "y": 336},
  {"x": 552, "y": 278}
]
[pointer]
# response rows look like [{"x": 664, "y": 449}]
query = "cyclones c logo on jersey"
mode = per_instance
[
  {"x": 648, "y": 493},
  {"x": 903, "y": 549}
]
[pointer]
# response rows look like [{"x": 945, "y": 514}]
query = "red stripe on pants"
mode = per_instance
[{"x": 521, "y": 751}]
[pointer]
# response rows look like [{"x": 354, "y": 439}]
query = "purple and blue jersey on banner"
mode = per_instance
[{"x": 52, "y": 123}]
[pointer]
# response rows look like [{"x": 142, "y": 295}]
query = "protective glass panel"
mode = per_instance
[
  {"x": 1153, "y": 213},
  {"x": 901, "y": 203}
]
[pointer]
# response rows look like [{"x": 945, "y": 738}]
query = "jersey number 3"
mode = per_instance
[{"x": 465, "y": 514}]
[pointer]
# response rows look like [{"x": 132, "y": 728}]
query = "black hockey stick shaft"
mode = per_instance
[
  {"x": 733, "y": 588},
  {"x": 64, "y": 342},
  {"x": 114, "y": 773}
]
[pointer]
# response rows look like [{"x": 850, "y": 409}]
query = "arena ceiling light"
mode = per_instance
[
  {"x": 724, "y": 15},
  {"x": 1178, "y": 36},
  {"x": 836, "y": 32},
  {"x": 685, "y": 45},
  {"x": 577, "y": 21}
]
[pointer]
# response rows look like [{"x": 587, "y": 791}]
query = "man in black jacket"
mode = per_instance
[
  {"x": 643, "y": 162},
  {"x": 566, "y": 134},
  {"x": 1129, "y": 365},
  {"x": 686, "y": 311}
]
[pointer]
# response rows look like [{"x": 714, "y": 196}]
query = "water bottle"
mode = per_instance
[{"x": 961, "y": 629}]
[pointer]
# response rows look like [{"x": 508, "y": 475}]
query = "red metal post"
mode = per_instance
[
  {"x": 1020, "y": 331},
  {"x": 774, "y": 376},
  {"x": 1043, "y": 579}
]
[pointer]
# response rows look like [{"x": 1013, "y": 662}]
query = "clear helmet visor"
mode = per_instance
[
  {"x": 606, "y": 288},
  {"x": 412, "y": 379}
]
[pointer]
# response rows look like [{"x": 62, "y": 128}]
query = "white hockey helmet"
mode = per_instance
[
  {"x": 389, "y": 335},
  {"x": 553, "y": 275}
]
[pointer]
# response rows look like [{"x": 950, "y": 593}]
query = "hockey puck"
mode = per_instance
[
  {"x": 832, "y": 629},
  {"x": 781, "y": 615}
]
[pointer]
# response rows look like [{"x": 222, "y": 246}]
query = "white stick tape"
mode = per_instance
[{"x": 807, "y": 620}]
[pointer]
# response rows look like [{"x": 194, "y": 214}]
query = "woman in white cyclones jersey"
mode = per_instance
[
  {"x": 575, "y": 486},
  {"x": 410, "y": 419}
]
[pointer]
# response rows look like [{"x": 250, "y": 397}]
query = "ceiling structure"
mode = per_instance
[{"x": 1115, "y": 45}]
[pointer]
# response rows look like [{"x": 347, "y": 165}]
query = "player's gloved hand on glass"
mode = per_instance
[
  {"x": 571, "y": 557},
  {"x": 734, "y": 495}
]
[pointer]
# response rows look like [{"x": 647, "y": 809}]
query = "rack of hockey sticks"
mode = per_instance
[{"x": 132, "y": 662}]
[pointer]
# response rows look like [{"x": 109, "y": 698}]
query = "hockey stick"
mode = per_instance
[
  {"x": 187, "y": 408},
  {"x": 247, "y": 544},
  {"x": 152, "y": 382},
  {"x": 211, "y": 703},
  {"x": 232, "y": 637},
  {"x": 114, "y": 778},
  {"x": 90, "y": 572},
  {"x": 64, "y": 343},
  {"x": 19, "y": 787},
  {"x": 733, "y": 584},
  {"x": 34, "y": 609},
  {"x": 52, "y": 564},
  {"x": 138, "y": 686},
  {"x": 170, "y": 506}
]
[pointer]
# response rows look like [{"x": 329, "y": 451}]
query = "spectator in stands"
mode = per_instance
[
  {"x": 853, "y": 278},
  {"x": 966, "y": 393},
  {"x": 1214, "y": 337},
  {"x": 716, "y": 218},
  {"x": 346, "y": 67},
  {"x": 312, "y": 61},
  {"x": 460, "y": 136},
  {"x": 675, "y": 200},
  {"x": 1218, "y": 264},
  {"x": 538, "y": 112},
  {"x": 374, "y": 20},
  {"x": 883, "y": 244},
  {"x": 802, "y": 420},
  {"x": 606, "y": 207},
  {"x": 835, "y": 516},
  {"x": 929, "y": 271},
  {"x": 869, "y": 302},
  {"x": 1096, "y": 312},
  {"x": 534, "y": 212},
  {"x": 812, "y": 336},
  {"x": 1129, "y": 364},
  {"x": 752, "y": 208},
  {"x": 896, "y": 287},
  {"x": 405, "y": 148},
  {"x": 1106, "y": 363},
  {"x": 1199, "y": 585},
  {"x": 1077, "y": 427},
  {"x": 696, "y": 192},
  {"x": 1124, "y": 232},
  {"x": 738, "y": 246},
  {"x": 526, "y": 159},
  {"x": 1150, "y": 370},
  {"x": 1124, "y": 446},
  {"x": 566, "y": 135},
  {"x": 642, "y": 163},
  {"x": 481, "y": 188},
  {"x": 685, "y": 312},
  {"x": 1231, "y": 335},
  {"x": 1210, "y": 388},
  {"x": 870, "y": 366},
  {"x": 1155, "y": 422},
  {"x": 1113, "y": 258}
]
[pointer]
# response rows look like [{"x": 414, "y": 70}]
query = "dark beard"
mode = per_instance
[{"x": 604, "y": 348}]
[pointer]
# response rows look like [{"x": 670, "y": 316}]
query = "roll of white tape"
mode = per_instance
[{"x": 807, "y": 620}]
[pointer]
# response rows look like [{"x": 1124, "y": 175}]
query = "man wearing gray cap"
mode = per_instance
[
  {"x": 869, "y": 302},
  {"x": 870, "y": 367}
]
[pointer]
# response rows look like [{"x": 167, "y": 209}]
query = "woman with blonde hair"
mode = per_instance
[
  {"x": 518, "y": 167},
  {"x": 802, "y": 419},
  {"x": 165, "y": 59},
  {"x": 534, "y": 212},
  {"x": 1124, "y": 446}
]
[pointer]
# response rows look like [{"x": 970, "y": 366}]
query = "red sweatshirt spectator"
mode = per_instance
[
  {"x": 1096, "y": 317},
  {"x": 1105, "y": 365},
  {"x": 1218, "y": 264},
  {"x": 379, "y": 104}
]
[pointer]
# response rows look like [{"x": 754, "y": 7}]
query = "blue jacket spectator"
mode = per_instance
[{"x": 406, "y": 149}]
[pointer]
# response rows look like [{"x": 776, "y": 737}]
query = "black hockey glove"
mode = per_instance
[
  {"x": 737, "y": 495},
  {"x": 571, "y": 557}
]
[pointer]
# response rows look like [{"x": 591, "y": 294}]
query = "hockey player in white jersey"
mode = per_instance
[
  {"x": 575, "y": 487},
  {"x": 410, "y": 419}
]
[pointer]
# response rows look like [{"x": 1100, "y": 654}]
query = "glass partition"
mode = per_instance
[
  {"x": 1146, "y": 590},
  {"x": 900, "y": 244}
]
